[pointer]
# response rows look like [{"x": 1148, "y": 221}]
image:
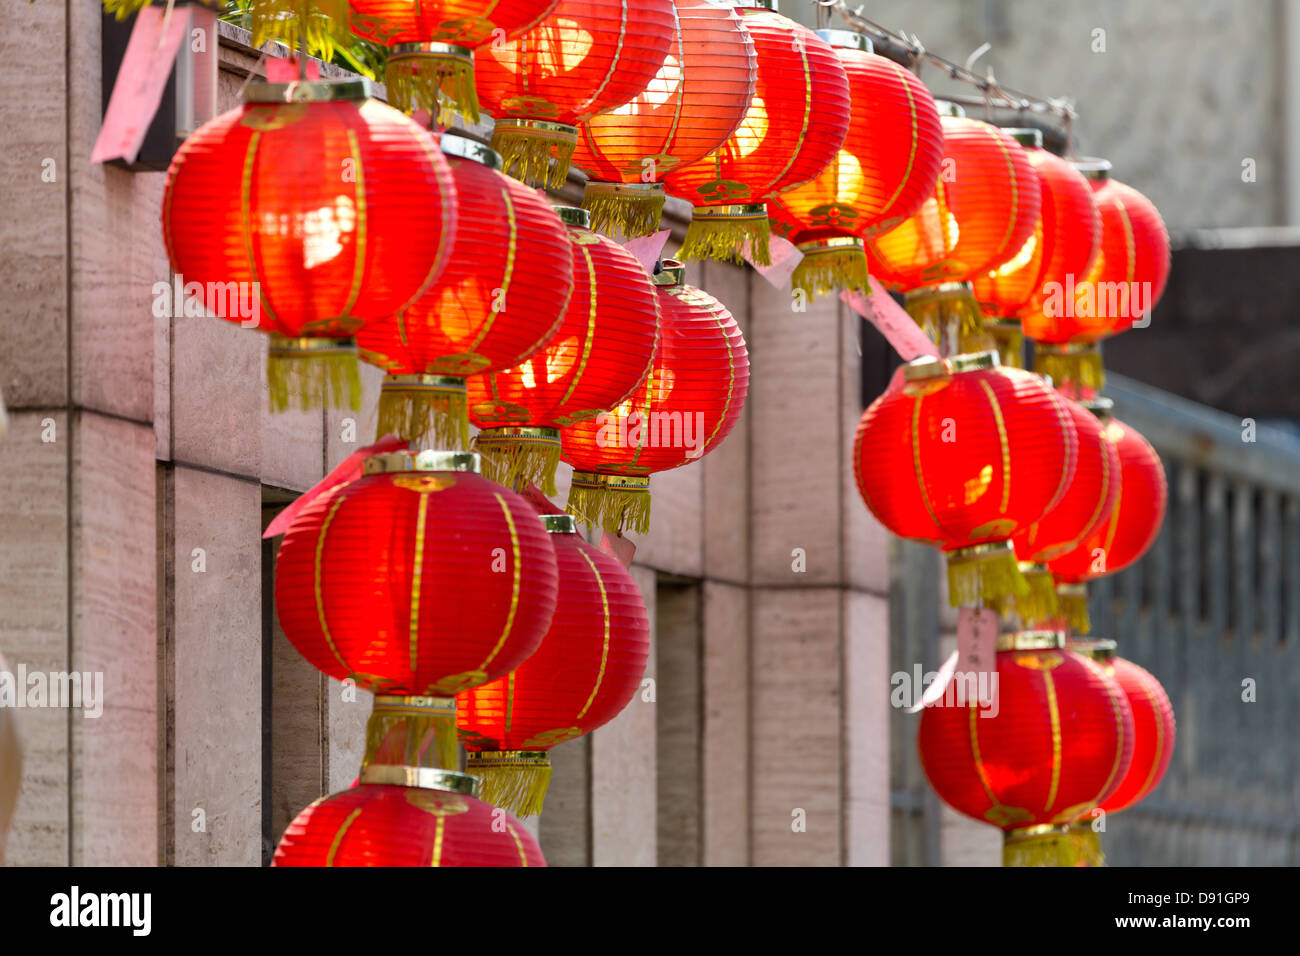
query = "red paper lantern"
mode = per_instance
[
  {"x": 696, "y": 100},
  {"x": 1125, "y": 282},
  {"x": 963, "y": 453},
  {"x": 586, "y": 57},
  {"x": 601, "y": 353},
  {"x": 587, "y": 670},
  {"x": 1063, "y": 246},
  {"x": 1128, "y": 530},
  {"x": 1053, "y": 743},
  {"x": 794, "y": 128},
  {"x": 431, "y": 43},
  {"x": 438, "y": 823},
  {"x": 885, "y": 168},
  {"x": 1088, "y": 500},
  {"x": 308, "y": 219},
  {"x": 500, "y": 298},
  {"x": 985, "y": 206},
  {"x": 420, "y": 578},
  {"x": 687, "y": 405}
]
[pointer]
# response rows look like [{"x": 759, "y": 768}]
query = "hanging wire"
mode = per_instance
[{"x": 992, "y": 94}]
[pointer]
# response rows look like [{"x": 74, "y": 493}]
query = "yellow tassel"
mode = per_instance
[
  {"x": 413, "y": 732},
  {"x": 983, "y": 574},
  {"x": 1039, "y": 603},
  {"x": 1071, "y": 367},
  {"x": 727, "y": 238},
  {"x": 312, "y": 373},
  {"x": 514, "y": 780},
  {"x": 826, "y": 269},
  {"x": 631, "y": 209},
  {"x": 1003, "y": 336},
  {"x": 517, "y": 457},
  {"x": 1051, "y": 846},
  {"x": 326, "y": 24},
  {"x": 946, "y": 312},
  {"x": 612, "y": 502},
  {"x": 1073, "y": 602},
  {"x": 437, "y": 77},
  {"x": 534, "y": 152},
  {"x": 428, "y": 408}
]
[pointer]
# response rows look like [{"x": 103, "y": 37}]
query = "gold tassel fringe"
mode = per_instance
[
  {"x": 282, "y": 20},
  {"x": 1072, "y": 369},
  {"x": 537, "y": 154},
  {"x": 623, "y": 208},
  {"x": 612, "y": 502},
  {"x": 439, "y": 81},
  {"x": 312, "y": 373},
  {"x": 1039, "y": 603},
  {"x": 432, "y": 410},
  {"x": 1051, "y": 846},
  {"x": 828, "y": 269},
  {"x": 413, "y": 732},
  {"x": 1073, "y": 602},
  {"x": 984, "y": 574},
  {"x": 728, "y": 238},
  {"x": 1003, "y": 336},
  {"x": 514, "y": 780},
  {"x": 947, "y": 312},
  {"x": 516, "y": 457}
]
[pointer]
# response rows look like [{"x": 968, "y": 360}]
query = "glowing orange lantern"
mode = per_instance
[
  {"x": 1053, "y": 743},
  {"x": 963, "y": 454},
  {"x": 431, "y": 43},
  {"x": 885, "y": 168},
  {"x": 585, "y": 58},
  {"x": 601, "y": 353},
  {"x": 696, "y": 101},
  {"x": 587, "y": 670},
  {"x": 307, "y": 220},
  {"x": 501, "y": 297},
  {"x": 794, "y": 128}
]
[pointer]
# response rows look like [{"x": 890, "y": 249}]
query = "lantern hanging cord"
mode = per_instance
[{"x": 993, "y": 94}]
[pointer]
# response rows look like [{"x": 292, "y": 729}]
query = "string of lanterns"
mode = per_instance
[{"x": 436, "y": 577}]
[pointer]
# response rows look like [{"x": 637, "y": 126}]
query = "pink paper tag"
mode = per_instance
[
  {"x": 647, "y": 248},
  {"x": 894, "y": 324},
  {"x": 140, "y": 82},
  {"x": 286, "y": 71},
  {"x": 350, "y": 470},
  {"x": 619, "y": 546},
  {"x": 785, "y": 259},
  {"x": 977, "y": 640}
]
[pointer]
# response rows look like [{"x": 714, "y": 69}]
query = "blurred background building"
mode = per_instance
[{"x": 141, "y": 466}]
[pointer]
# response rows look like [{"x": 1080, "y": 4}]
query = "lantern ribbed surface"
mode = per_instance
[
  {"x": 430, "y": 41},
  {"x": 600, "y": 354},
  {"x": 1055, "y": 745},
  {"x": 588, "y": 668},
  {"x": 501, "y": 297},
  {"x": 1089, "y": 497},
  {"x": 984, "y": 207},
  {"x": 586, "y": 57},
  {"x": 1154, "y": 733},
  {"x": 1132, "y": 525},
  {"x": 1127, "y": 277},
  {"x": 695, "y": 101},
  {"x": 256, "y": 196},
  {"x": 1061, "y": 249},
  {"x": 795, "y": 126},
  {"x": 385, "y": 825},
  {"x": 684, "y": 409},
  {"x": 416, "y": 582}
]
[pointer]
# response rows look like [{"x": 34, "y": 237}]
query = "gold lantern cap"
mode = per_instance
[
  {"x": 426, "y": 778},
  {"x": 1092, "y": 167},
  {"x": 671, "y": 273},
  {"x": 1026, "y": 136},
  {"x": 476, "y": 152},
  {"x": 1042, "y": 639},
  {"x": 401, "y": 461},
  {"x": 310, "y": 91},
  {"x": 560, "y": 524},
  {"x": 847, "y": 40},
  {"x": 573, "y": 216}
]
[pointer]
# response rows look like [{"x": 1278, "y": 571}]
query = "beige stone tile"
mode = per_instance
[
  {"x": 676, "y": 517},
  {"x": 115, "y": 633},
  {"x": 34, "y": 622},
  {"x": 726, "y": 725},
  {"x": 865, "y": 540},
  {"x": 347, "y": 709},
  {"x": 563, "y": 829},
  {"x": 218, "y": 690},
  {"x": 33, "y": 230},
  {"x": 866, "y": 717},
  {"x": 218, "y": 395},
  {"x": 795, "y": 718}
]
